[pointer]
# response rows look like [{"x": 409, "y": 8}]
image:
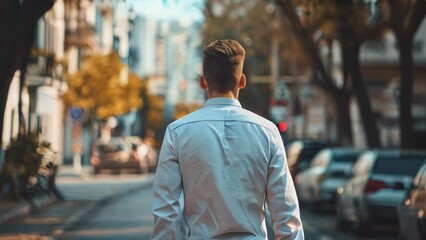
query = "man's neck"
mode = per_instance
[{"x": 219, "y": 94}]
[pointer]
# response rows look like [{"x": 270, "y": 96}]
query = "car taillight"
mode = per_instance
[
  {"x": 374, "y": 185},
  {"x": 95, "y": 160}
]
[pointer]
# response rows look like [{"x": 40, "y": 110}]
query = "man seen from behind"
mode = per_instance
[{"x": 224, "y": 163}]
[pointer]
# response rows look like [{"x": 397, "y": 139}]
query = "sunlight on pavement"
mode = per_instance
[
  {"x": 24, "y": 237},
  {"x": 43, "y": 220},
  {"x": 108, "y": 232}
]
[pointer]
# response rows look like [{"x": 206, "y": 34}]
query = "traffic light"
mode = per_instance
[{"x": 282, "y": 126}]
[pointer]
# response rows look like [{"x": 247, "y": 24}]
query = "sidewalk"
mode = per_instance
[
  {"x": 48, "y": 217},
  {"x": 11, "y": 210}
]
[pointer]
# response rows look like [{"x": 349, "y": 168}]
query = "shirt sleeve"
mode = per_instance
[
  {"x": 281, "y": 195},
  {"x": 167, "y": 190}
]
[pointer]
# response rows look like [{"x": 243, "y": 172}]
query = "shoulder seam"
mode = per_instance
[{"x": 205, "y": 120}]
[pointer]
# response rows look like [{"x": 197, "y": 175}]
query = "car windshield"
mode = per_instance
[
  {"x": 341, "y": 164},
  {"x": 397, "y": 165},
  {"x": 111, "y": 148},
  {"x": 307, "y": 154},
  {"x": 346, "y": 157}
]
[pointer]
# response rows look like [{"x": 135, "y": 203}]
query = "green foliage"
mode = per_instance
[
  {"x": 23, "y": 160},
  {"x": 22, "y": 156}
]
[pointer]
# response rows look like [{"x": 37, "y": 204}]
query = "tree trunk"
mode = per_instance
[
  {"x": 344, "y": 122},
  {"x": 371, "y": 130},
  {"x": 17, "y": 24},
  {"x": 406, "y": 95},
  {"x": 321, "y": 77},
  {"x": 406, "y": 19},
  {"x": 3, "y": 100},
  {"x": 21, "y": 119}
]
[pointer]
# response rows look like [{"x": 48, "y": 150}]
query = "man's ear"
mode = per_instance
[
  {"x": 243, "y": 81},
  {"x": 203, "y": 82}
]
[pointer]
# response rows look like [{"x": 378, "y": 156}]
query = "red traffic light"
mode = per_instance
[{"x": 282, "y": 126}]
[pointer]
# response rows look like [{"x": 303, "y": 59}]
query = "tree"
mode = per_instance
[
  {"x": 346, "y": 22},
  {"x": 249, "y": 22},
  {"x": 98, "y": 88},
  {"x": 354, "y": 29},
  {"x": 17, "y": 25},
  {"x": 406, "y": 17},
  {"x": 320, "y": 75}
]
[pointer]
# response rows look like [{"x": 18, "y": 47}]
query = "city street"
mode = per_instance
[
  {"x": 127, "y": 217},
  {"x": 84, "y": 194},
  {"x": 119, "y": 207},
  {"x": 93, "y": 91},
  {"x": 321, "y": 226},
  {"x": 97, "y": 187}
]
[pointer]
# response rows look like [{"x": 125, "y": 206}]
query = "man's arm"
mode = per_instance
[
  {"x": 281, "y": 196},
  {"x": 166, "y": 191}
]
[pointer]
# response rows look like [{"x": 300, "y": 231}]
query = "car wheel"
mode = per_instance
[
  {"x": 342, "y": 225},
  {"x": 400, "y": 236},
  {"x": 313, "y": 206},
  {"x": 361, "y": 228},
  {"x": 141, "y": 170}
]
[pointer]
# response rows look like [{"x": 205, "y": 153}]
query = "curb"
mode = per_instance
[
  {"x": 73, "y": 221},
  {"x": 22, "y": 210},
  {"x": 70, "y": 222},
  {"x": 26, "y": 207}
]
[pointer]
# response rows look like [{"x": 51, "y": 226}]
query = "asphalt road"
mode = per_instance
[
  {"x": 84, "y": 195},
  {"x": 127, "y": 217},
  {"x": 321, "y": 226},
  {"x": 126, "y": 214}
]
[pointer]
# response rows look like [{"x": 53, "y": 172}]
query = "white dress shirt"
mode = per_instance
[{"x": 217, "y": 167}]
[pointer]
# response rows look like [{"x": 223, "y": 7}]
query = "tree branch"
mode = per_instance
[
  {"x": 417, "y": 15},
  {"x": 397, "y": 17},
  {"x": 321, "y": 77}
]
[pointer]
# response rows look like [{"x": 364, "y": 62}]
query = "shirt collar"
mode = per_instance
[{"x": 222, "y": 101}]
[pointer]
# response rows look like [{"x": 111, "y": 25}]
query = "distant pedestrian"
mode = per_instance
[
  {"x": 134, "y": 155},
  {"x": 219, "y": 165}
]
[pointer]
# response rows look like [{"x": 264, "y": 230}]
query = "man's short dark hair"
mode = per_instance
[{"x": 222, "y": 60}]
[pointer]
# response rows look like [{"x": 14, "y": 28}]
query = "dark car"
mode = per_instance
[
  {"x": 301, "y": 152},
  {"x": 380, "y": 182},
  {"x": 115, "y": 156},
  {"x": 412, "y": 215}
]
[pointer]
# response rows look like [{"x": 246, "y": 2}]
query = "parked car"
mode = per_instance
[
  {"x": 412, "y": 215},
  {"x": 301, "y": 152},
  {"x": 317, "y": 185},
  {"x": 380, "y": 181},
  {"x": 148, "y": 154},
  {"x": 116, "y": 155}
]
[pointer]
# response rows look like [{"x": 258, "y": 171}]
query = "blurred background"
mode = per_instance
[{"x": 90, "y": 85}]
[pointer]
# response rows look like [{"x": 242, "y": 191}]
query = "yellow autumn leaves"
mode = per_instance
[{"x": 104, "y": 86}]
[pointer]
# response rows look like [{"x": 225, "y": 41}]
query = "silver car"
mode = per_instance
[
  {"x": 412, "y": 215},
  {"x": 380, "y": 182},
  {"x": 330, "y": 168},
  {"x": 300, "y": 154}
]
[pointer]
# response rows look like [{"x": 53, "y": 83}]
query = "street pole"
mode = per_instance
[
  {"x": 77, "y": 128},
  {"x": 275, "y": 70},
  {"x": 76, "y": 162}
]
